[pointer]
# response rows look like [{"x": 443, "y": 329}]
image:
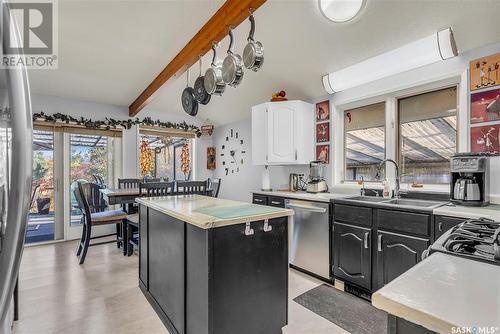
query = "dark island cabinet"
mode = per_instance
[
  {"x": 396, "y": 253},
  {"x": 143, "y": 245},
  {"x": 352, "y": 254}
]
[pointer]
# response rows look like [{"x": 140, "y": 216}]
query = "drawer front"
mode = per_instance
[
  {"x": 353, "y": 214},
  {"x": 443, "y": 224},
  {"x": 276, "y": 201},
  {"x": 408, "y": 222},
  {"x": 259, "y": 199}
]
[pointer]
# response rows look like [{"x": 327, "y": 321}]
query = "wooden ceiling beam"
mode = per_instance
[{"x": 231, "y": 14}]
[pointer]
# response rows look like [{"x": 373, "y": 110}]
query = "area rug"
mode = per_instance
[
  {"x": 353, "y": 314},
  {"x": 33, "y": 227}
]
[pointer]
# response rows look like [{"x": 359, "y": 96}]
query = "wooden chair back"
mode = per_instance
[
  {"x": 34, "y": 195},
  {"x": 192, "y": 187},
  {"x": 93, "y": 197},
  {"x": 128, "y": 183},
  {"x": 151, "y": 179},
  {"x": 214, "y": 185},
  {"x": 83, "y": 205},
  {"x": 157, "y": 188},
  {"x": 98, "y": 179}
]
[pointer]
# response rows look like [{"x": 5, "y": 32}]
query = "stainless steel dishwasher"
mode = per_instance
[{"x": 310, "y": 239}]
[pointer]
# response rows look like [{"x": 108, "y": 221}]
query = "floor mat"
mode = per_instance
[{"x": 353, "y": 314}]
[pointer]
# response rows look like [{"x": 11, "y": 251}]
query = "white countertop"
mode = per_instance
[
  {"x": 444, "y": 291},
  {"x": 209, "y": 212},
  {"x": 319, "y": 197},
  {"x": 491, "y": 211}
]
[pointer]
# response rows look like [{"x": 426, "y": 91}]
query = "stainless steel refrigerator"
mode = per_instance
[{"x": 15, "y": 171}]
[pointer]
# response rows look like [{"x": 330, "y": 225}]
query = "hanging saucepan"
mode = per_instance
[
  {"x": 213, "y": 76},
  {"x": 189, "y": 103},
  {"x": 200, "y": 93},
  {"x": 253, "y": 53},
  {"x": 232, "y": 67}
]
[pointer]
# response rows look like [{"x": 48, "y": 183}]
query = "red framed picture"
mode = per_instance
[
  {"x": 485, "y": 106},
  {"x": 485, "y": 139},
  {"x": 322, "y": 132},
  {"x": 323, "y": 111},
  {"x": 323, "y": 153}
]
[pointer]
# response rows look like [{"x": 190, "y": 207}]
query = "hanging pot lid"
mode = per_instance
[
  {"x": 189, "y": 103},
  {"x": 200, "y": 93}
]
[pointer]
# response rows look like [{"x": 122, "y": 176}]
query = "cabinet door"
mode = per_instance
[
  {"x": 280, "y": 134},
  {"x": 143, "y": 245},
  {"x": 352, "y": 259},
  {"x": 396, "y": 253},
  {"x": 443, "y": 224},
  {"x": 259, "y": 134}
]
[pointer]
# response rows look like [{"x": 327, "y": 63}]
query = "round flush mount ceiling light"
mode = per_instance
[{"x": 340, "y": 11}]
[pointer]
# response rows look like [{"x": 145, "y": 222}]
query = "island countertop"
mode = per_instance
[
  {"x": 444, "y": 292},
  {"x": 209, "y": 212}
]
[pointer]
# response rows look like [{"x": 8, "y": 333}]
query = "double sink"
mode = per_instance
[{"x": 404, "y": 202}]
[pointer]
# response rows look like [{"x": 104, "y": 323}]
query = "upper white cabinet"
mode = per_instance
[{"x": 283, "y": 133}]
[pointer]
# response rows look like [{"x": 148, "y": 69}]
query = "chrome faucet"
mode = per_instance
[
  {"x": 361, "y": 182},
  {"x": 397, "y": 191}
]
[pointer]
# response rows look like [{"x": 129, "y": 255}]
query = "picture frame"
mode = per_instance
[
  {"x": 485, "y": 72},
  {"x": 323, "y": 153},
  {"x": 211, "y": 158},
  {"x": 323, "y": 132},
  {"x": 485, "y": 139},
  {"x": 323, "y": 111},
  {"x": 485, "y": 106}
]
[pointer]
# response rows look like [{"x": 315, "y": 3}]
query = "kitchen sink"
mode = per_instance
[
  {"x": 414, "y": 202},
  {"x": 367, "y": 198}
]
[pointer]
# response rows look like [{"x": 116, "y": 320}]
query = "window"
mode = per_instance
[
  {"x": 427, "y": 136},
  {"x": 364, "y": 141},
  {"x": 161, "y": 157}
]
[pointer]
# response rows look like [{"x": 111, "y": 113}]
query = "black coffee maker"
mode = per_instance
[{"x": 470, "y": 179}]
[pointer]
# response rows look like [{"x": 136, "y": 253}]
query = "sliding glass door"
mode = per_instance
[{"x": 90, "y": 160}]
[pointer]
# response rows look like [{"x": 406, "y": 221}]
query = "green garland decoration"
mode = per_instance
[{"x": 111, "y": 123}]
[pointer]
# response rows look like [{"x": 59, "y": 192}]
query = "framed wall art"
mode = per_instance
[
  {"x": 485, "y": 72},
  {"x": 322, "y": 132},
  {"x": 323, "y": 111},
  {"x": 323, "y": 153},
  {"x": 485, "y": 106},
  {"x": 485, "y": 139},
  {"x": 211, "y": 158}
]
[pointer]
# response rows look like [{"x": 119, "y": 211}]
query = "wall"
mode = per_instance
[{"x": 238, "y": 185}]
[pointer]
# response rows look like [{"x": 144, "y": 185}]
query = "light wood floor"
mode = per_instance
[{"x": 58, "y": 296}]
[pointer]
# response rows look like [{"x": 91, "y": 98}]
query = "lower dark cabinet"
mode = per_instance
[
  {"x": 352, "y": 259},
  {"x": 396, "y": 253},
  {"x": 143, "y": 246},
  {"x": 443, "y": 224}
]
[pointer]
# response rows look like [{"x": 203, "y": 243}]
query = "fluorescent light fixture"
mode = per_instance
[
  {"x": 340, "y": 11},
  {"x": 425, "y": 51}
]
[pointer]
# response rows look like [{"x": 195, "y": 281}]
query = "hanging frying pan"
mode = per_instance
[
  {"x": 253, "y": 53},
  {"x": 213, "y": 76},
  {"x": 232, "y": 66},
  {"x": 189, "y": 103},
  {"x": 200, "y": 93}
]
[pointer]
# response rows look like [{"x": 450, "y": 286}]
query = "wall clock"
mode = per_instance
[{"x": 232, "y": 152}]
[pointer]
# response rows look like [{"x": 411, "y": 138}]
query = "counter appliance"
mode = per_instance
[
  {"x": 470, "y": 179},
  {"x": 310, "y": 244},
  {"x": 316, "y": 183}
]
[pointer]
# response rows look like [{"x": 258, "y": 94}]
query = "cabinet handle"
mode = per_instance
[
  {"x": 365, "y": 240},
  {"x": 267, "y": 227},
  {"x": 248, "y": 229},
  {"x": 274, "y": 202},
  {"x": 440, "y": 227},
  {"x": 379, "y": 243},
  {"x": 295, "y": 155},
  {"x": 258, "y": 200}
]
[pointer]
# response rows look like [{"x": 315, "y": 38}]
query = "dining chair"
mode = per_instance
[
  {"x": 128, "y": 183},
  {"x": 214, "y": 186},
  {"x": 91, "y": 219},
  {"x": 151, "y": 179},
  {"x": 148, "y": 189},
  {"x": 192, "y": 187},
  {"x": 98, "y": 179}
]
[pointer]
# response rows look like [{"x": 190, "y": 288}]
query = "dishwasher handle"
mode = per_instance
[{"x": 306, "y": 208}]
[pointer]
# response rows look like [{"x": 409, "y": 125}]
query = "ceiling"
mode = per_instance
[{"x": 109, "y": 51}]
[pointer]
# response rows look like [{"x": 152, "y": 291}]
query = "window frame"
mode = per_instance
[
  {"x": 344, "y": 143},
  {"x": 397, "y": 128}
]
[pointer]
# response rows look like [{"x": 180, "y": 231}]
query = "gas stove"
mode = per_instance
[{"x": 476, "y": 239}]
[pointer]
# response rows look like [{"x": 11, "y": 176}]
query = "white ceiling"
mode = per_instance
[{"x": 111, "y": 50}]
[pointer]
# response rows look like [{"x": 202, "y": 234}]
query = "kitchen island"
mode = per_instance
[{"x": 214, "y": 266}]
